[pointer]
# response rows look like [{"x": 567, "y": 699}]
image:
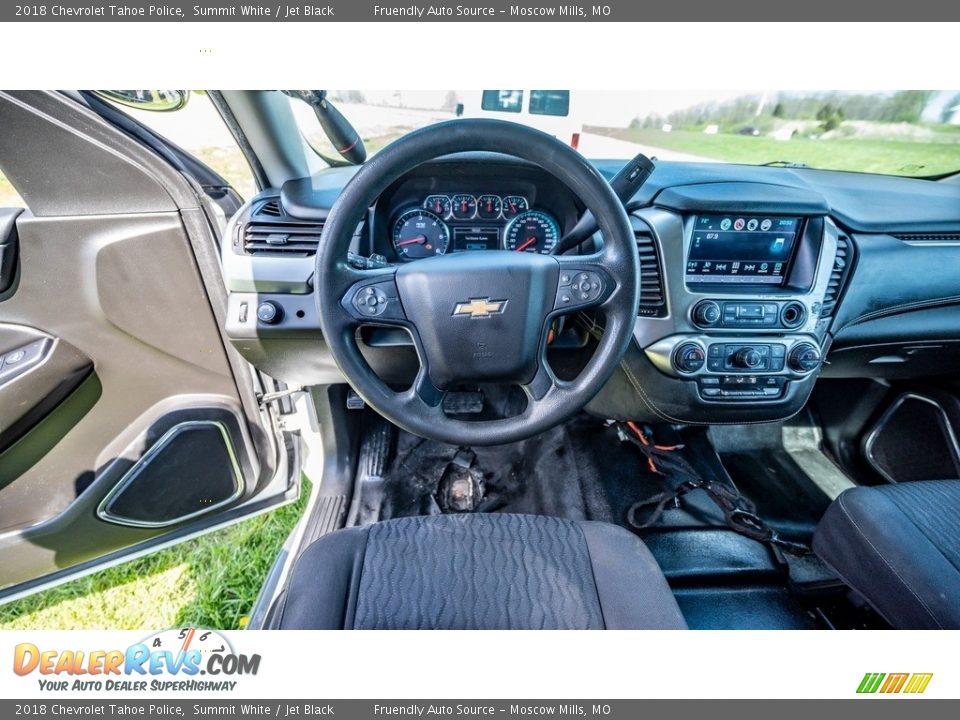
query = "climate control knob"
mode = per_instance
[
  {"x": 804, "y": 358},
  {"x": 707, "y": 313},
  {"x": 689, "y": 358},
  {"x": 748, "y": 357}
]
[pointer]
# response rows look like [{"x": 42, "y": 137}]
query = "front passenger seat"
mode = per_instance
[
  {"x": 899, "y": 547},
  {"x": 495, "y": 571}
]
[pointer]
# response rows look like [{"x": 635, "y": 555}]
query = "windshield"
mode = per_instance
[{"x": 909, "y": 132}]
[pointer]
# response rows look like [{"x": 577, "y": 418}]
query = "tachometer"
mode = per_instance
[
  {"x": 419, "y": 233},
  {"x": 513, "y": 205},
  {"x": 532, "y": 231}
]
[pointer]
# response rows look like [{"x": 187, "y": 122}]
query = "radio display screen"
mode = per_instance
[{"x": 745, "y": 249}]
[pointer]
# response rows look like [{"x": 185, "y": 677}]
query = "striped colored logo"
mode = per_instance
[{"x": 911, "y": 683}]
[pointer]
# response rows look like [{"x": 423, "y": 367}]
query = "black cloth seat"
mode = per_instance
[
  {"x": 493, "y": 571},
  {"x": 899, "y": 547}
]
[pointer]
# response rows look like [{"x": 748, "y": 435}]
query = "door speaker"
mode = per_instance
[
  {"x": 191, "y": 470},
  {"x": 914, "y": 439}
]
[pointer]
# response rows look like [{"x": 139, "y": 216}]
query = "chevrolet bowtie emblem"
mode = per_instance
[{"x": 480, "y": 307}]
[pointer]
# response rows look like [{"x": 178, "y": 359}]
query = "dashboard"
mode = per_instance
[{"x": 754, "y": 281}]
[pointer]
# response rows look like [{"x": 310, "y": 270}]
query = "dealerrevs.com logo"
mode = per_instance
[
  {"x": 184, "y": 659},
  {"x": 894, "y": 683}
]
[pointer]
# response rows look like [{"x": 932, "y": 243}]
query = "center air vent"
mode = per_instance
[
  {"x": 842, "y": 263},
  {"x": 652, "y": 300},
  {"x": 271, "y": 232}
]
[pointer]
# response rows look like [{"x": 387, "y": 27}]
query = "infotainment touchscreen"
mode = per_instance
[{"x": 742, "y": 249}]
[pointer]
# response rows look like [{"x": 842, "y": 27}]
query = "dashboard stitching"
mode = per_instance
[{"x": 898, "y": 309}]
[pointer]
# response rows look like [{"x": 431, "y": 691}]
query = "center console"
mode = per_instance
[{"x": 743, "y": 336}]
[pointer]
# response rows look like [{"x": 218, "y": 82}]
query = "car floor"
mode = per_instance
[{"x": 585, "y": 470}]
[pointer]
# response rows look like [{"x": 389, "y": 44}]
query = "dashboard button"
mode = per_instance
[
  {"x": 689, "y": 358},
  {"x": 804, "y": 358},
  {"x": 269, "y": 312},
  {"x": 707, "y": 313}
]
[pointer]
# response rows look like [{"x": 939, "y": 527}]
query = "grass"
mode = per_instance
[
  {"x": 9, "y": 197},
  {"x": 896, "y": 157},
  {"x": 211, "y": 581}
]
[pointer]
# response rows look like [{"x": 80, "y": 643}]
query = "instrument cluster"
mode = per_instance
[{"x": 463, "y": 222}]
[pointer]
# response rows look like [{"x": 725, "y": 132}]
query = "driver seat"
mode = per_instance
[{"x": 496, "y": 571}]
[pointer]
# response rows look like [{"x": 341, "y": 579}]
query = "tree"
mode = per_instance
[
  {"x": 906, "y": 106},
  {"x": 831, "y": 116},
  {"x": 778, "y": 111}
]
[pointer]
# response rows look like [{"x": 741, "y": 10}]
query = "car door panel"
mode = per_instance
[
  {"x": 37, "y": 372},
  {"x": 155, "y": 432}
]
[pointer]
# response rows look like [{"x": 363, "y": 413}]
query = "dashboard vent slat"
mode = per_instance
[
  {"x": 270, "y": 232},
  {"x": 652, "y": 300},
  {"x": 842, "y": 263}
]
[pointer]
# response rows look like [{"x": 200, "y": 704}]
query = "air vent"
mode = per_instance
[
  {"x": 271, "y": 208},
  {"x": 271, "y": 232},
  {"x": 932, "y": 238},
  {"x": 842, "y": 262},
  {"x": 652, "y": 300}
]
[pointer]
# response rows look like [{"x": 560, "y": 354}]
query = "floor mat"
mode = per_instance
[
  {"x": 745, "y": 608},
  {"x": 581, "y": 471}
]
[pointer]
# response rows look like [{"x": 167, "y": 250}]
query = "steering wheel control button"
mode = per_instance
[
  {"x": 269, "y": 312},
  {"x": 706, "y": 313},
  {"x": 689, "y": 358},
  {"x": 804, "y": 358},
  {"x": 371, "y": 301},
  {"x": 578, "y": 287}
]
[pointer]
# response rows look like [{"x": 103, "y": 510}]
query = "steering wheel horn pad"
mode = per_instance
[
  {"x": 483, "y": 316},
  {"x": 480, "y": 315}
]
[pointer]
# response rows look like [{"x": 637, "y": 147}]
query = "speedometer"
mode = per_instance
[
  {"x": 419, "y": 233},
  {"x": 532, "y": 231}
]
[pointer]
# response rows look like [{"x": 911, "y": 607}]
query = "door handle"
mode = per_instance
[{"x": 9, "y": 247}]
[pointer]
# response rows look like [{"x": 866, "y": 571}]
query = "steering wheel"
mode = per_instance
[{"x": 482, "y": 316}]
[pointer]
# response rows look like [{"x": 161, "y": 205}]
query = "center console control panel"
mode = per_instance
[
  {"x": 759, "y": 314},
  {"x": 734, "y": 369},
  {"x": 743, "y": 369}
]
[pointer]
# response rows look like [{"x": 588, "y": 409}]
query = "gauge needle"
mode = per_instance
[
  {"x": 418, "y": 240},
  {"x": 528, "y": 243}
]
